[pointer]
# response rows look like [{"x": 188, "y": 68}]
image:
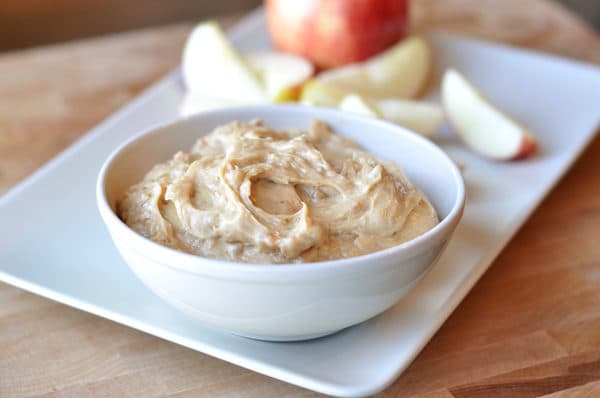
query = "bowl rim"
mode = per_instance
[{"x": 197, "y": 264}]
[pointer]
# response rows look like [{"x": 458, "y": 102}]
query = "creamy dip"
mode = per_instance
[{"x": 248, "y": 193}]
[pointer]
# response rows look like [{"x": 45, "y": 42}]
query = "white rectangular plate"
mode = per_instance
[{"x": 54, "y": 244}]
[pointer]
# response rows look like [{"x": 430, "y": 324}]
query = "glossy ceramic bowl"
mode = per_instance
[{"x": 290, "y": 301}]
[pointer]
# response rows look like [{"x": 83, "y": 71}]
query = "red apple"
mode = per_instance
[{"x": 336, "y": 32}]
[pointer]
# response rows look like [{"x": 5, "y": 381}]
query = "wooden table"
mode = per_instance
[{"x": 530, "y": 327}]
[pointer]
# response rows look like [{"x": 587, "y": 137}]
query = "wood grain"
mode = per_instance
[
  {"x": 530, "y": 327},
  {"x": 94, "y": 17}
]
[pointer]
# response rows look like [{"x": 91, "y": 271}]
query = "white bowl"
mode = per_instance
[{"x": 290, "y": 301}]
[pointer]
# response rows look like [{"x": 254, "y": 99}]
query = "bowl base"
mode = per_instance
[{"x": 283, "y": 339}]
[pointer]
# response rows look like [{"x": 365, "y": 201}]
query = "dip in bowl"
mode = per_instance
[{"x": 289, "y": 301}]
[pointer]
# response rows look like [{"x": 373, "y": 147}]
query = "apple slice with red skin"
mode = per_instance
[{"x": 481, "y": 125}]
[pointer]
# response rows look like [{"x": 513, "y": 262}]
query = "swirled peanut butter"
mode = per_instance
[{"x": 248, "y": 193}]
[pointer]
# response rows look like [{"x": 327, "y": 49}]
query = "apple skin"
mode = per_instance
[
  {"x": 528, "y": 148},
  {"x": 332, "y": 33}
]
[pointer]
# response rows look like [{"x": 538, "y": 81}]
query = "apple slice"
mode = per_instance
[
  {"x": 356, "y": 104},
  {"x": 318, "y": 93},
  {"x": 282, "y": 74},
  {"x": 399, "y": 72},
  {"x": 482, "y": 126},
  {"x": 211, "y": 66},
  {"x": 422, "y": 117}
]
